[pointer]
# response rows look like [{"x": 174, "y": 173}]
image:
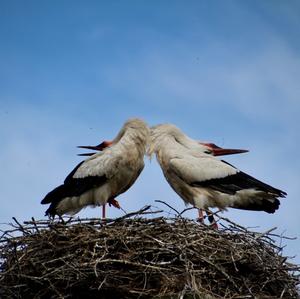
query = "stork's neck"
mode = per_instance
[
  {"x": 169, "y": 142},
  {"x": 134, "y": 140}
]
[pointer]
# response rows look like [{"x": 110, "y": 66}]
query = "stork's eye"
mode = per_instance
[{"x": 207, "y": 152}]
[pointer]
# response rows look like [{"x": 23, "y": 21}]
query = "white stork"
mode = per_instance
[
  {"x": 209, "y": 148},
  {"x": 204, "y": 181},
  {"x": 104, "y": 175}
]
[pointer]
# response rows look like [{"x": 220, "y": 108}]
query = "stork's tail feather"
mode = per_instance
[
  {"x": 51, "y": 211},
  {"x": 260, "y": 201},
  {"x": 264, "y": 205},
  {"x": 54, "y": 197}
]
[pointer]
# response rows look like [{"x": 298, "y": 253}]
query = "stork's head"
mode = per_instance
[
  {"x": 164, "y": 135},
  {"x": 165, "y": 132},
  {"x": 135, "y": 124},
  {"x": 161, "y": 134},
  {"x": 137, "y": 128}
]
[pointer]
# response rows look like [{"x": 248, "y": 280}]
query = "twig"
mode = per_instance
[
  {"x": 178, "y": 214},
  {"x": 145, "y": 256}
]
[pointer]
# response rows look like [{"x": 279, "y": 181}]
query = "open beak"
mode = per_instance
[
  {"x": 86, "y": 154},
  {"x": 99, "y": 147},
  {"x": 219, "y": 151}
]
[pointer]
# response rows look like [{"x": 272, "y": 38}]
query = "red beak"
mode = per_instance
[
  {"x": 219, "y": 151},
  {"x": 99, "y": 147}
]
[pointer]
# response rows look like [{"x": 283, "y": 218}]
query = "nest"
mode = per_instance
[{"x": 140, "y": 257}]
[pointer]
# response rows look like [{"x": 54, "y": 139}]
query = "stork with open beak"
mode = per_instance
[
  {"x": 203, "y": 180},
  {"x": 100, "y": 147},
  {"x": 104, "y": 175},
  {"x": 211, "y": 148}
]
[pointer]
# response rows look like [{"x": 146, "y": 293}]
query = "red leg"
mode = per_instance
[
  {"x": 103, "y": 212},
  {"x": 200, "y": 216}
]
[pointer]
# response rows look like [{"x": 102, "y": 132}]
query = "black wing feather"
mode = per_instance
[
  {"x": 74, "y": 187},
  {"x": 239, "y": 181},
  {"x": 71, "y": 187},
  {"x": 70, "y": 175}
]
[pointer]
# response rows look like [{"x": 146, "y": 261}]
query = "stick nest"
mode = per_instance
[{"x": 138, "y": 257}]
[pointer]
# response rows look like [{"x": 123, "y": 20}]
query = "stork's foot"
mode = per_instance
[
  {"x": 212, "y": 220},
  {"x": 214, "y": 225},
  {"x": 113, "y": 202},
  {"x": 200, "y": 216}
]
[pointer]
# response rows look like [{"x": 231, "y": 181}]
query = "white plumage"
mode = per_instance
[
  {"x": 104, "y": 175},
  {"x": 204, "y": 181}
]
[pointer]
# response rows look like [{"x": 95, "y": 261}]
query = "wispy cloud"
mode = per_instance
[{"x": 230, "y": 75}]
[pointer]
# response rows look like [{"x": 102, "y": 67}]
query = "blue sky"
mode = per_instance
[{"x": 73, "y": 71}]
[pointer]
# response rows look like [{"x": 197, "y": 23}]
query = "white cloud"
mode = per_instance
[
  {"x": 176, "y": 80},
  {"x": 262, "y": 84}
]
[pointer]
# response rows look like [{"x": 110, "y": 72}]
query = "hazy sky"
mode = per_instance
[{"x": 71, "y": 72}]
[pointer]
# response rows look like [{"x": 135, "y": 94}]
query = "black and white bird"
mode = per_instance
[
  {"x": 203, "y": 180},
  {"x": 104, "y": 175}
]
